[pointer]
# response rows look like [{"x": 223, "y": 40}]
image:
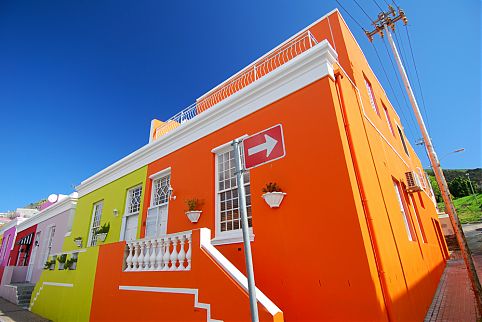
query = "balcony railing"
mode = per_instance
[
  {"x": 169, "y": 253},
  {"x": 260, "y": 68}
]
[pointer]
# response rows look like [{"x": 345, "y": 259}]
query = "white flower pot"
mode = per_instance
[
  {"x": 61, "y": 266},
  {"x": 78, "y": 242},
  {"x": 273, "y": 199},
  {"x": 193, "y": 215},
  {"x": 52, "y": 267},
  {"x": 101, "y": 237}
]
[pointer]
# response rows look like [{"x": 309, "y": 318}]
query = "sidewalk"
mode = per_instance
[
  {"x": 454, "y": 300},
  {"x": 10, "y": 312}
]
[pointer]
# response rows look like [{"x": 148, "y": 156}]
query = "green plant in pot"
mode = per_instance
[
  {"x": 71, "y": 263},
  {"x": 194, "y": 209},
  {"x": 62, "y": 259},
  {"x": 273, "y": 195},
  {"x": 78, "y": 241},
  {"x": 49, "y": 264},
  {"x": 102, "y": 231}
]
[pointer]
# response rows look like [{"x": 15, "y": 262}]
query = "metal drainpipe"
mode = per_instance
[{"x": 366, "y": 211}]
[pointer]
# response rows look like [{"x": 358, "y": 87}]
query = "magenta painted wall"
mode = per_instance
[
  {"x": 5, "y": 251},
  {"x": 60, "y": 222}
]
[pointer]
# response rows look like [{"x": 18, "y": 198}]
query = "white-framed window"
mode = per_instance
[
  {"x": 387, "y": 117},
  {"x": 133, "y": 201},
  {"x": 402, "y": 139},
  {"x": 95, "y": 223},
  {"x": 404, "y": 211},
  {"x": 131, "y": 214},
  {"x": 371, "y": 96},
  {"x": 228, "y": 219},
  {"x": 157, "y": 214},
  {"x": 48, "y": 245}
]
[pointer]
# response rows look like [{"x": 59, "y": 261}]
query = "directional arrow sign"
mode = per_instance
[{"x": 263, "y": 147}]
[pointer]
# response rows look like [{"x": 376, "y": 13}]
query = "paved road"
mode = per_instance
[{"x": 12, "y": 313}]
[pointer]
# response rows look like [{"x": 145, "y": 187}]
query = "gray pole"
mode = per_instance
[
  {"x": 253, "y": 304},
  {"x": 439, "y": 175}
]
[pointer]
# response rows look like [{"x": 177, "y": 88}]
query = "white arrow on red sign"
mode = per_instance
[{"x": 264, "y": 147}]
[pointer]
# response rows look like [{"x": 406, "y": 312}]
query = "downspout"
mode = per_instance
[{"x": 366, "y": 211}]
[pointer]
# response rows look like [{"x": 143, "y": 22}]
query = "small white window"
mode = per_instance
[
  {"x": 228, "y": 219},
  {"x": 96, "y": 215},
  {"x": 4, "y": 246},
  {"x": 133, "y": 201},
  {"x": 406, "y": 220},
  {"x": 371, "y": 96}
]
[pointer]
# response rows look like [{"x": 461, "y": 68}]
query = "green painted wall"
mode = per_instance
[
  {"x": 114, "y": 197},
  {"x": 72, "y": 304},
  {"x": 62, "y": 303}
]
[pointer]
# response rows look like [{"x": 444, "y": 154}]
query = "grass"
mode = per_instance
[{"x": 469, "y": 208}]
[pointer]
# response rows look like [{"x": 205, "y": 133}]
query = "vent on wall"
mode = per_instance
[{"x": 413, "y": 182}]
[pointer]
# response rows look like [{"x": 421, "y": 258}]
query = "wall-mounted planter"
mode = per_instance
[
  {"x": 193, "y": 215},
  {"x": 101, "y": 236},
  {"x": 78, "y": 242},
  {"x": 274, "y": 199},
  {"x": 61, "y": 266},
  {"x": 52, "y": 266}
]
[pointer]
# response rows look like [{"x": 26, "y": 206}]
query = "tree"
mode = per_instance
[
  {"x": 435, "y": 188},
  {"x": 460, "y": 187}
]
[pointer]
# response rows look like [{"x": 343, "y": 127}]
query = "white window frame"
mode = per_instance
[
  {"x": 92, "y": 237},
  {"x": 47, "y": 244},
  {"x": 399, "y": 194},
  {"x": 4, "y": 247},
  {"x": 224, "y": 237},
  {"x": 163, "y": 173},
  {"x": 126, "y": 210}
]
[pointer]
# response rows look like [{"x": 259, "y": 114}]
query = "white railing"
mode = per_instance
[
  {"x": 261, "y": 67},
  {"x": 169, "y": 253}
]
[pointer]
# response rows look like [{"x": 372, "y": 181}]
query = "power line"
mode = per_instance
[
  {"x": 376, "y": 3},
  {"x": 366, "y": 14},
  {"x": 418, "y": 79},
  {"x": 395, "y": 96},
  {"x": 409, "y": 125},
  {"x": 356, "y": 21}
]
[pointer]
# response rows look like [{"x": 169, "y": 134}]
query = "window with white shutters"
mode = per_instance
[{"x": 96, "y": 215}]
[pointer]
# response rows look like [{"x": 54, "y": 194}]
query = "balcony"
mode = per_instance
[{"x": 256, "y": 70}]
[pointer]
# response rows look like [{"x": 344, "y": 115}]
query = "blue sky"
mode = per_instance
[{"x": 81, "y": 80}]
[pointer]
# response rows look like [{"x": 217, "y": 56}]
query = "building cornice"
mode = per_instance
[
  {"x": 11, "y": 224},
  {"x": 65, "y": 204},
  {"x": 297, "y": 73}
]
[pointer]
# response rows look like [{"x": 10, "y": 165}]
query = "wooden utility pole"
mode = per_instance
[{"x": 382, "y": 26}]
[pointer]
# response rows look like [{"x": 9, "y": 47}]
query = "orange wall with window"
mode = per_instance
[{"x": 313, "y": 256}]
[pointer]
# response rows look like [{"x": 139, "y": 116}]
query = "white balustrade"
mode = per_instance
[{"x": 170, "y": 253}]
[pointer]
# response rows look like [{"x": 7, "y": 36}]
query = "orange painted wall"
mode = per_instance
[
  {"x": 227, "y": 301},
  {"x": 313, "y": 256}
]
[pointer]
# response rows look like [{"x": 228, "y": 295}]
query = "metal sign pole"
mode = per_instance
[{"x": 244, "y": 225}]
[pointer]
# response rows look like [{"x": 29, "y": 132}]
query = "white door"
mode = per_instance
[
  {"x": 35, "y": 243},
  {"x": 131, "y": 228},
  {"x": 156, "y": 223}
]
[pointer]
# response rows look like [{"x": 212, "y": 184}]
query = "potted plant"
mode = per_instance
[
  {"x": 193, "y": 209},
  {"x": 62, "y": 259},
  {"x": 273, "y": 195},
  {"x": 71, "y": 263},
  {"x": 78, "y": 241},
  {"x": 101, "y": 232},
  {"x": 49, "y": 264}
]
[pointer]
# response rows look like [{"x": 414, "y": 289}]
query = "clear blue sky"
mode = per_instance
[{"x": 81, "y": 80}]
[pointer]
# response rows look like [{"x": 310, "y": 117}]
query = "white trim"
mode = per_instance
[
  {"x": 12, "y": 223},
  {"x": 70, "y": 252},
  {"x": 304, "y": 69},
  {"x": 188, "y": 291},
  {"x": 225, "y": 146},
  {"x": 161, "y": 173},
  {"x": 231, "y": 237},
  {"x": 58, "y": 284},
  {"x": 61, "y": 206},
  {"x": 231, "y": 270}
]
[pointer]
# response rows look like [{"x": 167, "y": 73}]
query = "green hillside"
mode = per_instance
[{"x": 469, "y": 208}]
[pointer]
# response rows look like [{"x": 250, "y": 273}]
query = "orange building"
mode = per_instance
[{"x": 356, "y": 237}]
